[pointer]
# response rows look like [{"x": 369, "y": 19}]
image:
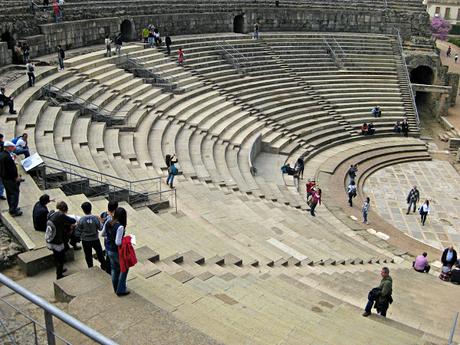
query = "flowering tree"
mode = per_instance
[{"x": 440, "y": 28}]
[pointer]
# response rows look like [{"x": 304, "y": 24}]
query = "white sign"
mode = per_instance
[{"x": 31, "y": 162}]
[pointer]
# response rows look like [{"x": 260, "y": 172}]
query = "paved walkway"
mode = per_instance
[{"x": 437, "y": 181}]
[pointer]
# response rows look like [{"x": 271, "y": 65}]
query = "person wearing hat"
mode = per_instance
[
  {"x": 10, "y": 178},
  {"x": 40, "y": 213}
]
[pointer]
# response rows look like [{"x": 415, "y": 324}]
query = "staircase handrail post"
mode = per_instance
[{"x": 452, "y": 331}]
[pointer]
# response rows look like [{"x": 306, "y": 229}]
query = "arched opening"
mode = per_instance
[
  {"x": 127, "y": 30},
  {"x": 8, "y": 38},
  {"x": 423, "y": 75},
  {"x": 238, "y": 24}
]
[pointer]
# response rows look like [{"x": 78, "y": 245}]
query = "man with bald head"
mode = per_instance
[{"x": 449, "y": 256}]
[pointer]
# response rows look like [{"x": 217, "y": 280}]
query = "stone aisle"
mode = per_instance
[{"x": 437, "y": 181}]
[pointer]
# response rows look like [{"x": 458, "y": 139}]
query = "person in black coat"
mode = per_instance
[
  {"x": 6, "y": 101},
  {"x": 168, "y": 43},
  {"x": 40, "y": 213},
  {"x": 10, "y": 178},
  {"x": 449, "y": 257}
]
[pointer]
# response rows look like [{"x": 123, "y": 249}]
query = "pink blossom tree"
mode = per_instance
[{"x": 440, "y": 28}]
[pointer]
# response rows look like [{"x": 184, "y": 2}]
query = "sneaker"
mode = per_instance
[
  {"x": 123, "y": 293},
  {"x": 16, "y": 214},
  {"x": 14, "y": 112},
  {"x": 366, "y": 313}
]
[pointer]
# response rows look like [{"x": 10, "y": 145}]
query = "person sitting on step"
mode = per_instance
[
  {"x": 421, "y": 263},
  {"x": 6, "y": 101}
]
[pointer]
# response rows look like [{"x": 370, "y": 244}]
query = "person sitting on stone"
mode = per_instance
[
  {"x": 397, "y": 127},
  {"x": 40, "y": 213},
  {"x": 6, "y": 101},
  {"x": 21, "y": 146},
  {"x": 370, "y": 129},
  {"x": 364, "y": 129},
  {"x": 376, "y": 112},
  {"x": 421, "y": 263},
  {"x": 449, "y": 256}
]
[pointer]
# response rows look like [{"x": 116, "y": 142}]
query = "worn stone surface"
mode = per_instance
[{"x": 9, "y": 248}]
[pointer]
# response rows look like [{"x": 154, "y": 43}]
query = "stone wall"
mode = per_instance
[{"x": 5, "y": 54}]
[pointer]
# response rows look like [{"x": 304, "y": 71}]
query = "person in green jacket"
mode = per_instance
[{"x": 381, "y": 296}]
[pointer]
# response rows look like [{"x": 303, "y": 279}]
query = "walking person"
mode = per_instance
[
  {"x": 424, "y": 211},
  {"x": 310, "y": 187},
  {"x": 449, "y": 51},
  {"x": 114, "y": 231},
  {"x": 108, "y": 46},
  {"x": 168, "y": 43},
  {"x": 30, "y": 70},
  {"x": 171, "y": 161},
  {"x": 61, "y": 57},
  {"x": 56, "y": 11},
  {"x": 315, "y": 200},
  {"x": 10, "y": 178},
  {"x": 412, "y": 198},
  {"x": 352, "y": 171},
  {"x": 88, "y": 228},
  {"x": 299, "y": 167},
  {"x": 365, "y": 209},
  {"x": 118, "y": 44},
  {"x": 351, "y": 192},
  {"x": 381, "y": 295},
  {"x": 256, "y": 31},
  {"x": 58, "y": 229},
  {"x": 405, "y": 128},
  {"x": 180, "y": 57}
]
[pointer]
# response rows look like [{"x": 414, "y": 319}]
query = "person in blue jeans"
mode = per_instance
[
  {"x": 170, "y": 161},
  {"x": 114, "y": 231}
]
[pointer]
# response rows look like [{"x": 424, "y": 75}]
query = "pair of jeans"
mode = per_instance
[
  {"x": 414, "y": 203},
  {"x": 61, "y": 63},
  {"x": 59, "y": 258},
  {"x": 118, "y": 277},
  {"x": 10, "y": 105},
  {"x": 2, "y": 189},
  {"x": 312, "y": 209},
  {"x": 117, "y": 49},
  {"x": 88, "y": 247},
  {"x": 370, "y": 303},
  {"x": 31, "y": 79},
  {"x": 170, "y": 179},
  {"x": 12, "y": 194},
  {"x": 365, "y": 217},
  {"x": 22, "y": 151},
  {"x": 423, "y": 217},
  {"x": 108, "y": 51},
  {"x": 350, "y": 199}
]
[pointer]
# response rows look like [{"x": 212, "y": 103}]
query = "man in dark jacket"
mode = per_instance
[
  {"x": 64, "y": 225},
  {"x": 40, "y": 213},
  {"x": 168, "y": 43},
  {"x": 412, "y": 198},
  {"x": 10, "y": 178},
  {"x": 381, "y": 296},
  {"x": 61, "y": 57},
  {"x": 449, "y": 256},
  {"x": 6, "y": 101}
]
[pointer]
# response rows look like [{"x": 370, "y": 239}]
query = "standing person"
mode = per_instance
[
  {"x": 7, "y": 101},
  {"x": 10, "y": 178},
  {"x": 256, "y": 31},
  {"x": 58, "y": 227},
  {"x": 56, "y": 11},
  {"x": 315, "y": 200},
  {"x": 26, "y": 52},
  {"x": 299, "y": 167},
  {"x": 2, "y": 189},
  {"x": 151, "y": 37},
  {"x": 114, "y": 232},
  {"x": 424, "y": 211},
  {"x": 449, "y": 50},
  {"x": 412, "y": 198},
  {"x": 145, "y": 35},
  {"x": 381, "y": 295},
  {"x": 365, "y": 209},
  {"x": 421, "y": 263},
  {"x": 171, "y": 161},
  {"x": 61, "y": 57},
  {"x": 108, "y": 46},
  {"x": 40, "y": 213},
  {"x": 310, "y": 187},
  {"x": 351, "y": 192},
  {"x": 405, "y": 127},
  {"x": 105, "y": 218},
  {"x": 118, "y": 44},
  {"x": 180, "y": 57},
  {"x": 30, "y": 70},
  {"x": 168, "y": 43},
  {"x": 88, "y": 228}
]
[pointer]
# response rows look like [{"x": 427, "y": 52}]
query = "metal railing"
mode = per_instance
[
  {"x": 56, "y": 95},
  {"x": 452, "y": 331},
  {"x": 338, "y": 62},
  {"x": 341, "y": 51},
  {"x": 407, "y": 76},
  {"x": 237, "y": 59},
  {"x": 50, "y": 312}
]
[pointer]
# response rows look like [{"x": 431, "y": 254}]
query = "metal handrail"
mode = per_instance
[
  {"x": 407, "y": 75},
  {"x": 235, "y": 55},
  {"x": 452, "y": 331},
  {"x": 340, "y": 49},
  {"x": 335, "y": 57},
  {"x": 50, "y": 311}
]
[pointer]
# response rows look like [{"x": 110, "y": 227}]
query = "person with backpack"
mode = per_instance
[
  {"x": 30, "y": 68},
  {"x": 114, "y": 231},
  {"x": 424, "y": 211},
  {"x": 58, "y": 228},
  {"x": 40, "y": 213},
  {"x": 171, "y": 161},
  {"x": 168, "y": 43},
  {"x": 88, "y": 228},
  {"x": 351, "y": 192}
]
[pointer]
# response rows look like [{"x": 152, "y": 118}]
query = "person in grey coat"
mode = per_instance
[{"x": 88, "y": 229}]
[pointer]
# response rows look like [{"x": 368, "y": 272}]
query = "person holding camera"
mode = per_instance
[{"x": 10, "y": 178}]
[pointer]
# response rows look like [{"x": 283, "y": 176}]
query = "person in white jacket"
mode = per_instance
[{"x": 424, "y": 211}]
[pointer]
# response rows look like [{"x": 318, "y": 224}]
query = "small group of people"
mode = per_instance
[
  {"x": 296, "y": 172},
  {"x": 151, "y": 35},
  {"x": 21, "y": 53},
  {"x": 63, "y": 230},
  {"x": 313, "y": 196},
  {"x": 58, "y": 6},
  {"x": 367, "y": 129},
  {"x": 412, "y": 198},
  {"x": 401, "y": 127}
]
